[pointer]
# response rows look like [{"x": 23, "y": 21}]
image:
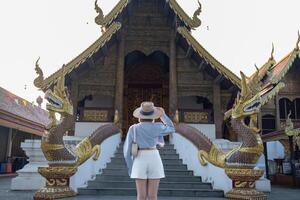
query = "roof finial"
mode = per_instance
[
  {"x": 298, "y": 41},
  {"x": 196, "y": 21},
  {"x": 38, "y": 82},
  {"x": 99, "y": 19},
  {"x": 255, "y": 65},
  {"x": 272, "y": 52}
]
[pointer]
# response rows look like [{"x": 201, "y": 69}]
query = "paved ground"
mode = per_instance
[{"x": 278, "y": 193}]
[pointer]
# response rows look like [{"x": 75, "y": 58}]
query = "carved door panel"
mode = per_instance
[{"x": 136, "y": 95}]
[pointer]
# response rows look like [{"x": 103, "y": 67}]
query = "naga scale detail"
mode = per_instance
[{"x": 63, "y": 161}]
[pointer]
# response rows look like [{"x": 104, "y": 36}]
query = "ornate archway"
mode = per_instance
[{"x": 146, "y": 79}]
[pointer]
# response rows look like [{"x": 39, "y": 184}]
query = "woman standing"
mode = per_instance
[{"x": 147, "y": 168}]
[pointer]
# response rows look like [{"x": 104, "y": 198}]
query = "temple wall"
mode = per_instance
[{"x": 146, "y": 29}]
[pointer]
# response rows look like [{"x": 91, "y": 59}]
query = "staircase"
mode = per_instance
[{"x": 179, "y": 181}]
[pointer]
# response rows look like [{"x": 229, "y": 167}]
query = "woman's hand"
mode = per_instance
[{"x": 161, "y": 109}]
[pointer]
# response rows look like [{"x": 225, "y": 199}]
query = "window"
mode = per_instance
[
  {"x": 268, "y": 124},
  {"x": 286, "y": 106}
]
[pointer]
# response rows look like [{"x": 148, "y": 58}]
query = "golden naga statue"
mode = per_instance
[
  {"x": 52, "y": 142},
  {"x": 291, "y": 131},
  {"x": 247, "y": 105},
  {"x": 64, "y": 160}
]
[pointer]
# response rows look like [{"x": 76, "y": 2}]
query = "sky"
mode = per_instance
[{"x": 238, "y": 33}]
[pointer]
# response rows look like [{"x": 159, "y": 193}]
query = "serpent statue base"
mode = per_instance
[
  {"x": 243, "y": 184},
  {"x": 57, "y": 184}
]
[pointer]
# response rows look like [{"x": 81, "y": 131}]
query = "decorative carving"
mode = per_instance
[
  {"x": 63, "y": 162},
  {"x": 95, "y": 90},
  {"x": 192, "y": 23},
  {"x": 57, "y": 183},
  {"x": 38, "y": 82},
  {"x": 244, "y": 184},
  {"x": 196, "y": 21},
  {"x": 100, "y": 17},
  {"x": 95, "y": 115},
  {"x": 196, "y": 117},
  {"x": 291, "y": 131}
]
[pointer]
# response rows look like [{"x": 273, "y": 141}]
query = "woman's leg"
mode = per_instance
[
  {"x": 152, "y": 188},
  {"x": 141, "y": 187}
]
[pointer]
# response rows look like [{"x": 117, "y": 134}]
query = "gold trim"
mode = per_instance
[
  {"x": 113, "y": 14},
  {"x": 208, "y": 57},
  {"x": 291, "y": 58},
  {"x": 192, "y": 23},
  {"x": 83, "y": 56},
  {"x": 188, "y": 21}
]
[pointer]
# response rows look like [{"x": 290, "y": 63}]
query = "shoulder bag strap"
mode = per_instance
[{"x": 134, "y": 134}]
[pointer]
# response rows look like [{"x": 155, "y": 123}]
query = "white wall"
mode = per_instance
[
  {"x": 207, "y": 129},
  {"x": 275, "y": 150},
  {"x": 210, "y": 173},
  {"x": 84, "y": 129},
  {"x": 91, "y": 168}
]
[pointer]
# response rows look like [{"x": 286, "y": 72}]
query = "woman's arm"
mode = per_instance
[
  {"x": 127, "y": 150},
  {"x": 167, "y": 127}
]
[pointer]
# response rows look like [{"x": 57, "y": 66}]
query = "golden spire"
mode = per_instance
[
  {"x": 298, "y": 41},
  {"x": 272, "y": 52},
  {"x": 100, "y": 17},
  {"x": 38, "y": 82}
]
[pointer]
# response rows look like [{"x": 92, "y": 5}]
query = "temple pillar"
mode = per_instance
[
  {"x": 218, "y": 116},
  {"x": 172, "y": 77},
  {"x": 9, "y": 143},
  {"x": 119, "y": 89},
  {"x": 277, "y": 112}
]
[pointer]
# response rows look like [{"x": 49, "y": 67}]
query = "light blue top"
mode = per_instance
[{"x": 147, "y": 136}]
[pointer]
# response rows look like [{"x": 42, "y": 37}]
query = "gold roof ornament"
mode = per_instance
[
  {"x": 298, "y": 41},
  {"x": 272, "y": 52},
  {"x": 188, "y": 21},
  {"x": 291, "y": 131},
  {"x": 100, "y": 17},
  {"x": 196, "y": 21},
  {"x": 38, "y": 82}
]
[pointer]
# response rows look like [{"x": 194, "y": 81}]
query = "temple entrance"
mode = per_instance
[{"x": 146, "y": 79}]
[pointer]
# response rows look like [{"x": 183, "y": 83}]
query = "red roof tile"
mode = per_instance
[{"x": 16, "y": 105}]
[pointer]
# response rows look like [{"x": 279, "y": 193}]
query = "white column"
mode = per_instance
[{"x": 28, "y": 177}]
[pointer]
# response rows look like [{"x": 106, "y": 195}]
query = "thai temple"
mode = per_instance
[{"x": 147, "y": 52}]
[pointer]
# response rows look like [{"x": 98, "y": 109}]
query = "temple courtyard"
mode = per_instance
[{"x": 278, "y": 193}]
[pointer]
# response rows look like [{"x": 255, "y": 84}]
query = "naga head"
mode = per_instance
[
  {"x": 58, "y": 99},
  {"x": 253, "y": 96}
]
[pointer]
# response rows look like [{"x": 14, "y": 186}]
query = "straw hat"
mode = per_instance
[{"x": 147, "y": 110}]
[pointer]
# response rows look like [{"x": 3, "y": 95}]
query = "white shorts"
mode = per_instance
[{"x": 147, "y": 165}]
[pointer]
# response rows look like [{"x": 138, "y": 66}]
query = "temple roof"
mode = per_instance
[
  {"x": 113, "y": 14},
  {"x": 278, "y": 71},
  {"x": 208, "y": 57},
  {"x": 272, "y": 72},
  {"x": 100, "y": 42},
  {"x": 112, "y": 28},
  {"x": 16, "y": 107}
]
